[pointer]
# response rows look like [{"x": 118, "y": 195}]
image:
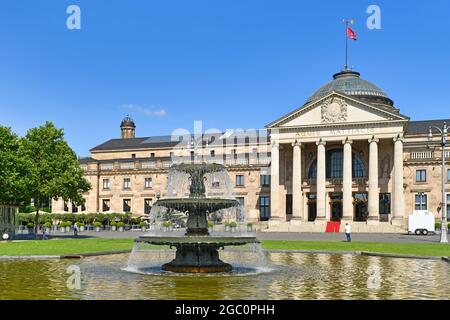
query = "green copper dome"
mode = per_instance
[{"x": 350, "y": 83}]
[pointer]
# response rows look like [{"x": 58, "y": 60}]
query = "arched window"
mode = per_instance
[{"x": 335, "y": 165}]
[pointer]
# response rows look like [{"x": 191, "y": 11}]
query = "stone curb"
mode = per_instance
[
  {"x": 405, "y": 256},
  {"x": 30, "y": 257},
  {"x": 66, "y": 256},
  {"x": 95, "y": 254},
  {"x": 312, "y": 251},
  {"x": 364, "y": 253}
]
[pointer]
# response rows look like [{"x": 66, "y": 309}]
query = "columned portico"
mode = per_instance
[
  {"x": 347, "y": 182},
  {"x": 374, "y": 193},
  {"x": 275, "y": 182},
  {"x": 399, "y": 196},
  {"x": 297, "y": 194},
  {"x": 321, "y": 181}
]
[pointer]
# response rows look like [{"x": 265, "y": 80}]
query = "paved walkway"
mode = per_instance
[{"x": 360, "y": 237}]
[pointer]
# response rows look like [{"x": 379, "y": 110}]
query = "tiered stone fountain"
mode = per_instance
[{"x": 197, "y": 251}]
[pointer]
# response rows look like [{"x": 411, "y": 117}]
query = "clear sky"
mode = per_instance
[{"x": 230, "y": 63}]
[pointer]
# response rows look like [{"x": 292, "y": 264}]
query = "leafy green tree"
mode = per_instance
[
  {"x": 12, "y": 169},
  {"x": 52, "y": 168}
]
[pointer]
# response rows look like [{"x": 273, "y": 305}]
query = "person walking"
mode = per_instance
[
  {"x": 348, "y": 231},
  {"x": 44, "y": 233},
  {"x": 75, "y": 230}
]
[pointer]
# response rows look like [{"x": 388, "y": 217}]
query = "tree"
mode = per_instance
[
  {"x": 12, "y": 169},
  {"x": 52, "y": 168}
]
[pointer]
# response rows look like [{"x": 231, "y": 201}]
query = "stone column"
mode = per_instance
[
  {"x": 374, "y": 192},
  {"x": 347, "y": 182},
  {"x": 399, "y": 204},
  {"x": 321, "y": 181},
  {"x": 297, "y": 195},
  {"x": 275, "y": 182}
]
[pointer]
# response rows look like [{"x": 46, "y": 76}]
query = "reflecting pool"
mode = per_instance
[{"x": 286, "y": 276}]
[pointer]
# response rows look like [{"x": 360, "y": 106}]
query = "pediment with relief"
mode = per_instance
[{"x": 335, "y": 109}]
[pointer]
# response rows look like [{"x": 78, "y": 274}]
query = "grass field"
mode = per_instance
[{"x": 83, "y": 246}]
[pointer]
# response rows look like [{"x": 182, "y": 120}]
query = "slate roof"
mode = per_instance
[
  {"x": 156, "y": 142},
  {"x": 421, "y": 127}
]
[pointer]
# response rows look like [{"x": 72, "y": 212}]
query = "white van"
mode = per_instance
[{"x": 421, "y": 222}]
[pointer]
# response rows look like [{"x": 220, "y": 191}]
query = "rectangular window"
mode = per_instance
[
  {"x": 421, "y": 175},
  {"x": 148, "y": 183},
  {"x": 448, "y": 206},
  {"x": 66, "y": 206},
  {"x": 126, "y": 205},
  {"x": 106, "y": 205},
  {"x": 448, "y": 175},
  {"x": 152, "y": 155},
  {"x": 74, "y": 208},
  {"x": 385, "y": 203},
  {"x": 83, "y": 207},
  {"x": 133, "y": 155},
  {"x": 265, "y": 180},
  {"x": 264, "y": 208},
  {"x": 147, "y": 205},
  {"x": 127, "y": 183},
  {"x": 212, "y": 153},
  {"x": 239, "y": 180},
  {"x": 421, "y": 201},
  {"x": 105, "y": 184},
  {"x": 241, "y": 200}
]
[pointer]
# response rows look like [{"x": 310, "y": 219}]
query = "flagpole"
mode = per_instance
[
  {"x": 346, "y": 46},
  {"x": 347, "y": 23}
]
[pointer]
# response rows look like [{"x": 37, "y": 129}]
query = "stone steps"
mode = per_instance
[{"x": 357, "y": 227}]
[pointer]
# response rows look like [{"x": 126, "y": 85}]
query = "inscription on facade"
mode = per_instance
[{"x": 336, "y": 132}]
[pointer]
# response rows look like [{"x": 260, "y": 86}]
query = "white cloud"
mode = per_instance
[{"x": 150, "y": 112}]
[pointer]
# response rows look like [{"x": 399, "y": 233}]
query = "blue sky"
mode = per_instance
[{"x": 230, "y": 63}]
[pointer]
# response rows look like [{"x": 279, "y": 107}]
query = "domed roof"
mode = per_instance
[
  {"x": 350, "y": 83},
  {"x": 127, "y": 122}
]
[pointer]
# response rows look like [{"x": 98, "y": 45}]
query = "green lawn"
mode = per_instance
[
  {"x": 422, "y": 249},
  {"x": 62, "y": 247},
  {"x": 83, "y": 246}
]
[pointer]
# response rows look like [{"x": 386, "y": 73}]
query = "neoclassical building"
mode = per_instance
[{"x": 347, "y": 154}]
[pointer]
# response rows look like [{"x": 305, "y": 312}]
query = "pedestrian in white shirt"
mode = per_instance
[{"x": 347, "y": 232}]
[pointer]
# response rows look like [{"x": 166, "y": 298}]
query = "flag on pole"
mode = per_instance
[{"x": 351, "y": 34}]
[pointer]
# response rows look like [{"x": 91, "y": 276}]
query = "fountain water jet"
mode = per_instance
[{"x": 197, "y": 251}]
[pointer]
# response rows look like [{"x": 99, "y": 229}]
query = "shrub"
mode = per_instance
[
  {"x": 113, "y": 224},
  {"x": 80, "y": 224},
  {"x": 210, "y": 224},
  {"x": 121, "y": 224},
  {"x": 143, "y": 224},
  {"x": 97, "y": 224},
  {"x": 48, "y": 225},
  {"x": 30, "y": 225},
  {"x": 233, "y": 224},
  {"x": 437, "y": 226},
  {"x": 167, "y": 224}
]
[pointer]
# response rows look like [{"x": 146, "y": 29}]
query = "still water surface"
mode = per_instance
[{"x": 291, "y": 276}]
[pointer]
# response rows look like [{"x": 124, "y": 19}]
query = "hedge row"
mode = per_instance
[{"x": 25, "y": 219}]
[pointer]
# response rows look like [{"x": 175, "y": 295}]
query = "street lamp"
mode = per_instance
[{"x": 443, "y": 132}]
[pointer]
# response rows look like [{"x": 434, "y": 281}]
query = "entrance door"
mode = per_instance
[
  {"x": 336, "y": 206},
  {"x": 361, "y": 212},
  {"x": 312, "y": 206}
]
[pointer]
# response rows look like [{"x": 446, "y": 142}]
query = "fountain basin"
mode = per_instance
[
  {"x": 220, "y": 241},
  {"x": 197, "y": 254},
  {"x": 196, "y": 204}
]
